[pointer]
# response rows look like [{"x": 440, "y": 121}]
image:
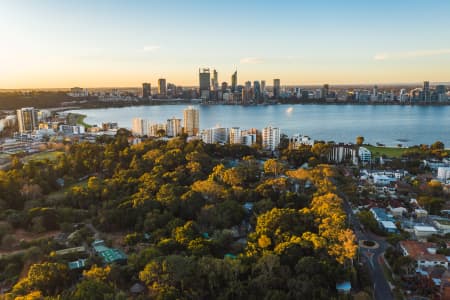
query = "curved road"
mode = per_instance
[{"x": 381, "y": 286}]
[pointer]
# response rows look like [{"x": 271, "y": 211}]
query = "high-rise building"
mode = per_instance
[
  {"x": 216, "y": 135},
  {"x": 234, "y": 82},
  {"x": 162, "y": 87},
  {"x": 276, "y": 88},
  {"x": 224, "y": 86},
  {"x": 146, "y": 90},
  {"x": 263, "y": 86},
  {"x": 173, "y": 127},
  {"x": 440, "y": 89},
  {"x": 205, "y": 83},
  {"x": 191, "y": 121},
  {"x": 270, "y": 138},
  {"x": 138, "y": 126},
  {"x": 256, "y": 91},
  {"x": 426, "y": 91},
  {"x": 27, "y": 119},
  {"x": 325, "y": 90},
  {"x": 235, "y": 135},
  {"x": 215, "y": 81}
]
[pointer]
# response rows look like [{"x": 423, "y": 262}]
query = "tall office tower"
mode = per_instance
[
  {"x": 215, "y": 81},
  {"x": 205, "y": 83},
  {"x": 270, "y": 138},
  {"x": 173, "y": 127},
  {"x": 235, "y": 135},
  {"x": 256, "y": 90},
  {"x": 224, "y": 86},
  {"x": 139, "y": 127},
  {"x": 276, "y": 88},
  {"x": 440, "y": 89},
  {"x": 162, "y": 88},
  {"x": 27, "y": 119},
  {"x": 191, "y": 121},
  {"x": 234, "y": 82},
  {"x": 263, "y": 86},
  {"x": 375, "y": 90},
  {"x": 325, "y": 90},
  {"x": 171, "y": 89},
  {"x": 426, "y": 91},
  {"x": 146, "y": 90}
]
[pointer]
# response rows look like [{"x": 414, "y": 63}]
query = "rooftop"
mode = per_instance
[{"x": 421, "y": 251}]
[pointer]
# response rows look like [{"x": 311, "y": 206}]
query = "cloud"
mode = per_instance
[
  {"x": 411, "y": 54},
  {"x": 151, "y": 48},
  {"x": 251, "y": 60}
]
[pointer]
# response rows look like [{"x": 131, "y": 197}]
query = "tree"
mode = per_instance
[
  {"x": 47, "y": 277},
  {"x": 91, "y": 289},
  {"x": 438, "y": 145},
  {"x": 273, "y": 167},
  {"x": 359, "y": 140}
]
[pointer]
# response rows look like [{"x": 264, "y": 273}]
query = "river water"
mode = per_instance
[{"x": 387, "y": 124}]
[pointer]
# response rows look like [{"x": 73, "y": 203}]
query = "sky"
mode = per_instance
[{"x": 61, "y": 44}]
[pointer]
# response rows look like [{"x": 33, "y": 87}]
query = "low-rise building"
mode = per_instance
[
  {"x": 422, "y": 231},
  {"x": 424, "y": 254},
  {"x": 365, "y": 156}
]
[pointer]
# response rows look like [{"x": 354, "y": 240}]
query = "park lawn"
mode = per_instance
[
  {"x": 50, "y": 155},
  {"x": 59, "y": 195},
  {"x": 392, "y": 152},
  {"x": 78, "y": 119}
]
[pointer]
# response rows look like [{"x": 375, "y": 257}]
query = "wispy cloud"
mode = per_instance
[
  {"x": 251, "y": 60},
  {"x": 410, "y": 54},
  {"x": 151, "y": 48}
]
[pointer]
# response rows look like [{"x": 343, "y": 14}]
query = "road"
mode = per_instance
[{"x": 381, "y": 286}]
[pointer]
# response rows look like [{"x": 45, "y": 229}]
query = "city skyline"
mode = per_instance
[{"x": 109, "y": 44}]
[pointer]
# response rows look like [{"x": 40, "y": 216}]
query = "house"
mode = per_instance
[
  {"x": 422, "y": 231},
  {"x": 78, "y": 264},
  {"x": 388, "y": 226},
  {"x": 109, "y": 255},
  {"x": 385, "y": 221},
  {"x": 424, "y": 254},
  {"x": 398, "y": 211}
]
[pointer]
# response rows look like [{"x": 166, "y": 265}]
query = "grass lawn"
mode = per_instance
[
  {"x": 77, "y": 119},
  {"x": 59, "y": 195},
  {"x": 50, "y": 155},
  {"x": 393, "y": 152}
]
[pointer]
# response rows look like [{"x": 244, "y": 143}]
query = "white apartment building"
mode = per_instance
[
  {"x": 235, "y": 135},
  {"x": 173, "y": 127},
  {"x": 270, "y": 138},
  {"x": 216, "y": 135}
]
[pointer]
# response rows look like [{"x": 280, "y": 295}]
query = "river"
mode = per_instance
[{"x": 387, "y": 124}]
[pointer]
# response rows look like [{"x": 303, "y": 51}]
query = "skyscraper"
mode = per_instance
[
  {"x": 224, "y": 86},
  {"x": 234, "y": 82},
  {"x": 263, "y": 86},
  {"x": 256, "y": 90},
  {"x": 191, "y": 121},
  {"x": 270, "y": 138},
  {"x": 205, "y": 83},
  {"x": 215, "y": 81},
  {"x": 173, "y": 127},
  {"x": 162, "y": 88},
  {"x": 325, "y": 90},
  {"x": 146, "y": 90},
  {"x": 276, "y": 88},
  {"x": 27, "y": 119},
  {"x": 426, "y": 91}
]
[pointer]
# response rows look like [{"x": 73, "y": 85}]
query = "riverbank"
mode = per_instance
[{"x": 77, "y": 119}]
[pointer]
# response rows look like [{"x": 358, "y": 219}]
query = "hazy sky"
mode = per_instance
[{"x": 47, "y": 43}]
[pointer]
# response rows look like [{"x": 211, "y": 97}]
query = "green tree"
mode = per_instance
[{"x": 359, "y": 140}]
